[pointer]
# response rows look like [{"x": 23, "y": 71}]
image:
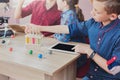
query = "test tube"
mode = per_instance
[
  {"x": 27, "y": 39},
  {"x": 33, "y": 40}
]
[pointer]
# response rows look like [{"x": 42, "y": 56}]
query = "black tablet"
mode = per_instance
[{"x": 63, "y": 47}]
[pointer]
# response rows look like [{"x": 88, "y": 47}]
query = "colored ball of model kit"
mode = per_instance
[
  {"x": 10, "y": 49},
  {"x": 40, "y": 56},
  {"x": 3, "y": 41},
  {"x": 31, "y": 52},
  {"x": 12, "y": 36}
]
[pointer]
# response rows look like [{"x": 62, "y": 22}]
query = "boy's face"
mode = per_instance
[{"x": 99, "y": 13}]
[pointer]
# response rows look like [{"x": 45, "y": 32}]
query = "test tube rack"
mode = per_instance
[{"x": 33, "y": 41}]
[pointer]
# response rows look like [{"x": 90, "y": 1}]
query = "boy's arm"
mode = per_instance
[
  {"x": 101, "y": 62},
  {"x": 18, "y": 10},
  {"x": 32, "y": 28},
  {"x": 85, "y": 49},
  {"x": 55, "y": 29},
  {"x": 72, "y": 29}
]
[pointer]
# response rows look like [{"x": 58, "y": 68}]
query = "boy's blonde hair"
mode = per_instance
[{"x": 111, "y": 6}]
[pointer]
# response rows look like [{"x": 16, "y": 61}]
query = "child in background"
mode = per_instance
[
  {"x": 43, "y": 12},
  {"x": 70, "y": 14},
  {"x": 104, "y": 35}
]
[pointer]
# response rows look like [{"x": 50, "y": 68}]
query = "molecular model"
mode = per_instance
[
  {"x": 6, "y": 42},
  {"x": 33, "y": 43}
]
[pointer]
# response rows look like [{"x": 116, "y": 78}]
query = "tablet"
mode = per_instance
[{"x": 63, "y": 47}]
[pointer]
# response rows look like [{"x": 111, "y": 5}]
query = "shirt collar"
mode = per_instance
[
  {"x": 66, "y": 13},
  {"x": 53, "y": 7},
  {"x": 112, "y": 24}
]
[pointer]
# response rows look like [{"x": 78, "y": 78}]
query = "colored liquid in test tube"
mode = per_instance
[
  {"x": 27, "y": 39},
  {"x": 36, "y": 39},
  {"x": 39, "y": 39},
  {"x": 33, "y": 40}
]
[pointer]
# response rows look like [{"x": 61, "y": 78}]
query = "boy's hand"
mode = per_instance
[
  {"x": 115, "y": 70},
  {"x": 33, "y": 29},
  {"x": 83, "y": 49},
  {"x": 78, "y": 49}
]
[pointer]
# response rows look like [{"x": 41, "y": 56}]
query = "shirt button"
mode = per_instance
[
  {"x": 95, "y": 70},
  {"x": 91, "y": 76},
  {"x": 99, "y": 39}
]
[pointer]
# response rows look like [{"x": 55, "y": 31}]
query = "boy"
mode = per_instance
[{"x": 104, "y": 35}]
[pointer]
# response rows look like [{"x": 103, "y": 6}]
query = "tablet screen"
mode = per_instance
[{"x": 65, "y": 47}]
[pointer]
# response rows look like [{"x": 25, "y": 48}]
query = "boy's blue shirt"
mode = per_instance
[
  {"x": 67, "y": 18},
  {"x": 104, "y": 40}
]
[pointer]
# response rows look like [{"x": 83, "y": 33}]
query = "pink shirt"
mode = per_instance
[{"x": 42, "y": 16}]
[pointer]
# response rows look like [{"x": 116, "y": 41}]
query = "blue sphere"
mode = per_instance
[{"x": 40, "y": 56}]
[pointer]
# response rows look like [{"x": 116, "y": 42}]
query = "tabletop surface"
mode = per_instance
[{"x": 49, "y": 64}]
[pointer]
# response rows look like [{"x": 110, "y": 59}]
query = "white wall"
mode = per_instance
[
  {"x": 7, "y": 13},
  {"x": 25, "y": 20},
  {"x": 15, "y": 2},
  {"x": 86, "y": 6}
]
